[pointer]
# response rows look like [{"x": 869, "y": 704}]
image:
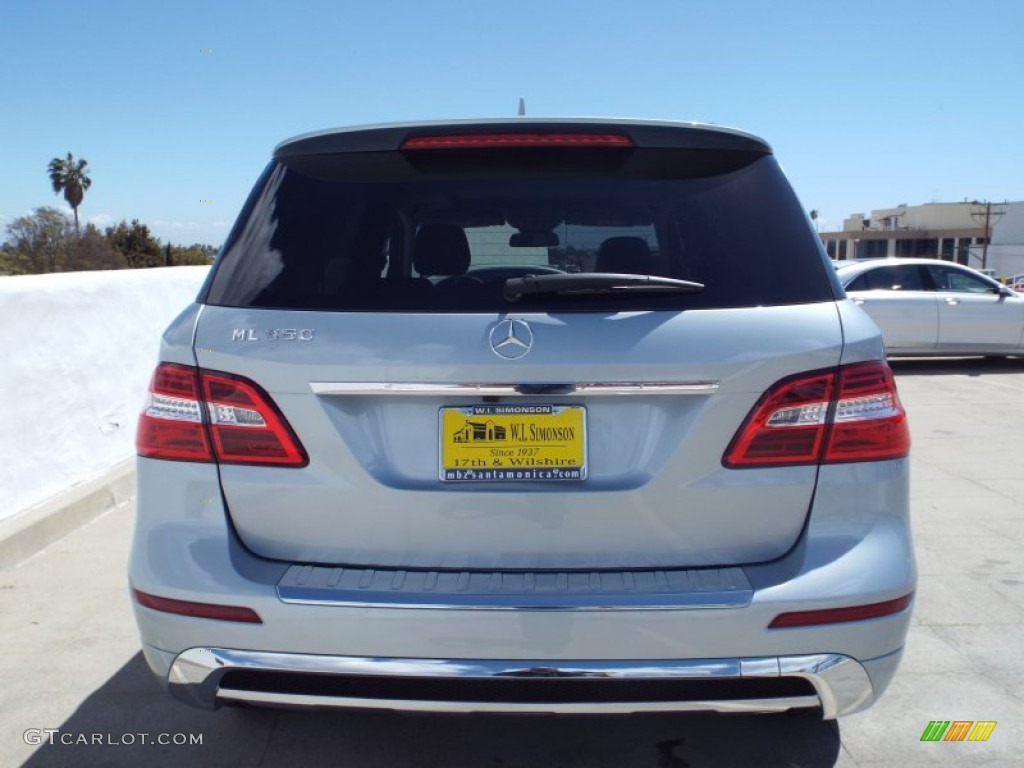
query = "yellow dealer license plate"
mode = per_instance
[{"x": 513, "y": 443}]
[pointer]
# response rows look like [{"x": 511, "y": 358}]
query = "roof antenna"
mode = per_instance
[{"x": 522, "y": 107}]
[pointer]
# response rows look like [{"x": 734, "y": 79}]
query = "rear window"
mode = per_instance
[{"x": 385, "y": 232}]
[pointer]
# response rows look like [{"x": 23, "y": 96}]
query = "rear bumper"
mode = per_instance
[
  {"x": 839, "y": 685},
  {"x": 856, "y": 550}
]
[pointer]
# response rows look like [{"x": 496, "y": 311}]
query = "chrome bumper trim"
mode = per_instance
[
  {"x": 841, "y": 683},
  {"x": 748, "y": 706},
  {"x": 509, "y": 390},
  {"x": 663, "y": 589}
]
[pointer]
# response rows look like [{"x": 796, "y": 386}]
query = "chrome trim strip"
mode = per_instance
[
  {"x": 662, "y": 589},
  {"x": 842, "y": 683},
  {"x": 746, "y": 706},
  {"x": 510, "y": 390}
]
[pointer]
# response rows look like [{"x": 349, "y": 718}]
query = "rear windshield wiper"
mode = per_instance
[{"x": 595, "y": 282}]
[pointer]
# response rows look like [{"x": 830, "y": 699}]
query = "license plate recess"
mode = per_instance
[{"x": 512, "y": 443}]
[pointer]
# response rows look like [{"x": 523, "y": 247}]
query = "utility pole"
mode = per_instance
[{"x": 985, "y": 218}]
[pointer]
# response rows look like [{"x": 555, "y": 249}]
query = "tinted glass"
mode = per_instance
[
  {"x": 859, "y": 283},
  {"x": 375, "y": 231},
  {"x": 957, "y": 280},
  {"x": 902, "y": 277}
]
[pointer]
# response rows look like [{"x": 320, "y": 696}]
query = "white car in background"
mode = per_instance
[{"x": 932, "y": 307}]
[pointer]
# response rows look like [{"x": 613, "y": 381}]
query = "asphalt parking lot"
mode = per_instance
[{"x": 69, "y": 657}]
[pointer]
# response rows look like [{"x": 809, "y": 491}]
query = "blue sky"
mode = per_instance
[{"x": 867, "y": 104}]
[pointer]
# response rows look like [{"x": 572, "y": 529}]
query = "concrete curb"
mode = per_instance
[{"x": 39, "y": 526}]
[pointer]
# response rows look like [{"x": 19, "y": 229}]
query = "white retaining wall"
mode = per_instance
[{"x": 76, "y": 353}]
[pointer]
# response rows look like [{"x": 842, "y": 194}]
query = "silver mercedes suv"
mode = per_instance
[{"x": 529, "y": 415}]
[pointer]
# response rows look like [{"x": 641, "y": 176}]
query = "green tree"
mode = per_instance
[
  {"x": 44, "y": 241},
  {"x": 94, "y": 251},
  {"x": 196, "y": 253},
  {"x": 136, "y": 244},
  {"x": 70, "y": 177},
  {"x": 5, "y": 260},
  {"x": 40, "y": 242}
]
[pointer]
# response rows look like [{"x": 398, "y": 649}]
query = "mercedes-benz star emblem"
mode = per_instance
[{"x": 511, "y": 339}]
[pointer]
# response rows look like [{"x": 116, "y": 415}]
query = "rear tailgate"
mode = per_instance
[{"x": 655, "y": 491}]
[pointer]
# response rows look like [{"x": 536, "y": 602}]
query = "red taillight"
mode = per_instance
[
  {"x": 197, "y": 610},
  {"x": 869, "y": 423},
  {"x": 508, "y": 140},
  {"x": 232, "y": 422},
  {"x": 171, "y": 424},
  {"x": 246, "y": 426},
  {"x": 811, "y": 418},
  {"x": 841, "y": 615},
  {"x": 786, "y": 426}
]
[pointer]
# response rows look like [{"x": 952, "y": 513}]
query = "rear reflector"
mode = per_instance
[
  {"x": 849, "y": 414},
  {"x": 508, "y": 140},
  {"x": 197, "y": 610},
  {"x": 841, "y": 615},
  {"x": 233, "y": 422}
]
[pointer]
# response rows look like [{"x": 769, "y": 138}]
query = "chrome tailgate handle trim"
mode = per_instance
[{"x": 423, "y": 389}]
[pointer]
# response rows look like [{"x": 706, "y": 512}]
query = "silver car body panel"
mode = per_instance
[
  {"x": 854, "y": 550},
  {"x": 646, "y": 447}
]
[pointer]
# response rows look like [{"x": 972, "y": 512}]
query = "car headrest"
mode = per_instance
[{"x": 440, "y": 249}]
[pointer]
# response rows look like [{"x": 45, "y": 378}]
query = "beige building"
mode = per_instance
[{"x": 939, "y": 230}]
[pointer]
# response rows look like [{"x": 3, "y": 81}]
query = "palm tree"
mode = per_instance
[{"x": 71, "y": 178}]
